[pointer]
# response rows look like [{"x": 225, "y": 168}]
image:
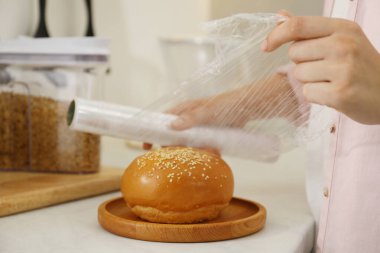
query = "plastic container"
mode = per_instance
[{"x": 38, "y": 79}]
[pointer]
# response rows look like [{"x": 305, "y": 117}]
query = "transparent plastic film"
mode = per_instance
[
  {"x": 239, "y": 103},
  {"x": 239, "y": 92}
]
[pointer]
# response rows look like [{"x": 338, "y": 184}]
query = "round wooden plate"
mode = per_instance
[{"x": 240, "y": 218}]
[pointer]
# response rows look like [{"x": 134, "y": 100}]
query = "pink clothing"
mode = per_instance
[{"x": 350, "y": 213}]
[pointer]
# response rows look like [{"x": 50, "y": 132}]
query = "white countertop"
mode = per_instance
[{"x": 73, "y": 226}]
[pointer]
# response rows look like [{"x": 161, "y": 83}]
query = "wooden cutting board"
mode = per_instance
[{"x": 22, "y": 191}]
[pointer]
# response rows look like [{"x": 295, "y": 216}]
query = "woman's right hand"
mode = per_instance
[
  {"x": 215, "y": 110},
  {"x": 236, "y": 107},
  {"x": 208, "y": 111}
]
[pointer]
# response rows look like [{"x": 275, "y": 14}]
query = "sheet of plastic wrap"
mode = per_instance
[{"x": 238, "y": 103}]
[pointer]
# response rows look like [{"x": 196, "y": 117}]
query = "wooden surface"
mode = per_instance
[
  {"x": 239, "y": 219},
  {"x": 22, "y": 191}
]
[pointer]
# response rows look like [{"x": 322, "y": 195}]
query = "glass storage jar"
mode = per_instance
[{"x": 38, "y": 79}]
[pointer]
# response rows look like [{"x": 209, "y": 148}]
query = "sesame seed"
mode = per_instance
[{"x": 180, "y": 162}]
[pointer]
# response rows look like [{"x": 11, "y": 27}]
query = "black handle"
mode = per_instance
[
  {"x": 90, "y": 29},
  {"x": 42, "y": 30}
]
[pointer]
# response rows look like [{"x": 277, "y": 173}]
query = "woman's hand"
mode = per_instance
[
  {"x": 216, "y": 111},
  {"x": 335, "y": 61},
  {"x": 208, "y": 111},
  {"x": 235, "y": 108}
]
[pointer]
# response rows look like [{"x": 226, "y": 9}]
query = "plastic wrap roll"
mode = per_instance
[{"x": 120, "y": 121}]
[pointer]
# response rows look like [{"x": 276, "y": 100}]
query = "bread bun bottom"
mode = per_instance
[{"x": 194, "y": 216}]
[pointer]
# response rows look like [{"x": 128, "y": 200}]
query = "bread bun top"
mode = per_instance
[{"x": 177, "y": 179}]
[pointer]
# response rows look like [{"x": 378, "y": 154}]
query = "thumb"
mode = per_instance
[
  {"x": 181, "y": 123},
  {"x": 284, "y": 13},
  {"x": 198, "y": 116}
]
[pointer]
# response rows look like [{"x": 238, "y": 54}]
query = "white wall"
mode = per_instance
[
  {"x": 222, "y": 8},
  {"x": 135, "y": 26},
  {"x": 16, "y": 18}
]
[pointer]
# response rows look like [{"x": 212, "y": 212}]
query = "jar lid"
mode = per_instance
[{"x": 74, "y": 51}]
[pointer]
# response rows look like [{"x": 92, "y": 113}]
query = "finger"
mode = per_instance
[
  {"x": 312, "y": 72},
  {"x": 181, "y": 123},
  {"x": 284, "y": 13},
  {"x": 309, "y": 50},
  {"x": 300, "y": 28},
  {"x": 186, "y": 106},
  {"x": 147, "y": 146},
  {"x": 186, "y": 121},
  {"x": 319, "y": 93},
  {"x": 198, "y": 116},
  {"x": 283, "y": 16}
]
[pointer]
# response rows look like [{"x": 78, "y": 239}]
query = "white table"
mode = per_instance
[{"x": 73, "y": 227}]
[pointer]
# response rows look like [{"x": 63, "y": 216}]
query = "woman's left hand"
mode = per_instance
[{"x": 335, "y": 61}]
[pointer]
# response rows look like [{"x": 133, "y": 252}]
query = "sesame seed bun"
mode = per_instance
[{"x": 177, "y": 185}]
